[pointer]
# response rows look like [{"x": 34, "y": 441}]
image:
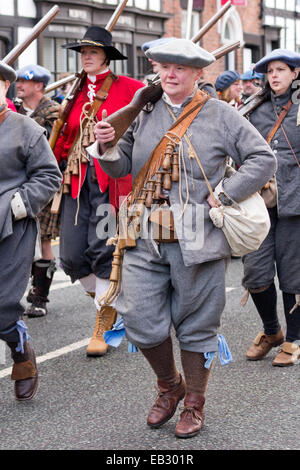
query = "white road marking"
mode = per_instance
[
  {"x": 64, "y": 282},
  {"x": 52, "y": 355}
]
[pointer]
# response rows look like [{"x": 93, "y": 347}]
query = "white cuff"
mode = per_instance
[
  {"x": 93, "y": 150},
  {"x": 18, "y": 207}
]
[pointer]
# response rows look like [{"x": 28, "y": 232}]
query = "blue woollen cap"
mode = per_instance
[
  {"x": 226, "y": 79},
  {"x": 37, "y": 73},
  {"x": 251, "y": 74},
  {"x": 284, "y": 55}
]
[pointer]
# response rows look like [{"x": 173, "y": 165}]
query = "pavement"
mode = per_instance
[{"x": 102, "y": 403}]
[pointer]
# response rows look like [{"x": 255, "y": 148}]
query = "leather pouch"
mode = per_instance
[
  {"x": 269, "y": 193},
  {"x": 162, "y": 220}
]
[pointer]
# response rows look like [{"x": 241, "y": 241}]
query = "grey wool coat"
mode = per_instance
[
  {"x": 288, "y": 172},
  {"x": 216, "y": 132},
  {"x": 29, "y": 168}
]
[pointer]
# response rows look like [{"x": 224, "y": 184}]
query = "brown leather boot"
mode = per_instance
[
  {"x": 106, "y": 317},
  {"x": 288, "y": 355},
  {"x": 192, "y": 417},
  {"x": 263, "y": 344},
  {"x": 166, "y": 403},
  {"x": 24, "y": 372}
]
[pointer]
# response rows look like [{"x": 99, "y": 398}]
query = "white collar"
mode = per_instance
[
  {"x": 167, "y": 100},
  {"x": 93, "y": 78}
]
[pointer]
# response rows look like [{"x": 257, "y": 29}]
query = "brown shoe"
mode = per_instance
[
  {"x": 288, "y": 355},
  {"x": 106, "y": 317},
  {"x": 192, "y": 417},
  {"x": 166, "y": 403},
  {"x": 263, "y": 344},
  {"x": 25, "y": 374}
]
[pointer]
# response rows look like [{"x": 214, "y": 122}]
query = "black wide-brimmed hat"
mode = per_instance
[{"x": 97, "y": 36}]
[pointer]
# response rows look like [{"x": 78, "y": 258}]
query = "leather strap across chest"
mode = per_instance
[
  {"x": 283, "y": 113},
  {"x": 178, "y": 128}
]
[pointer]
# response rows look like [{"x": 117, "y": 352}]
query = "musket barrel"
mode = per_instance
[
  {"x": 59, "y": 83},
  {"x": 117, "y": 13},
  {"x": 12, "y": 56},
  {"x": 213, "y": 20},
  {"x": 218, "y": 53}
]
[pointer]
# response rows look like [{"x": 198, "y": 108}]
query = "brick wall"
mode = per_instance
[{"x": 211, "y": 41}]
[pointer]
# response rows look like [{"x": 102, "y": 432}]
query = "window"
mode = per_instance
[
  {"x": 290, "y": 5},
  {"x": 120, "y": 67},
  {"x": 29, "y": 56},
  {"x": 58, "y": 60},
  {"x": 144, "y": 67},
  {"x": 7, "y": 7},
  {"x": 26, "y": 8},
  {"x": 270, "y": 3},
  {"x": 3, "y": 48},
  {"x": 154, "y": 5},
  {"x": 194, "y": 27},
  {"x": 142, "y": 4}
]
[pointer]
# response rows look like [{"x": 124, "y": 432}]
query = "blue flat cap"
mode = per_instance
[
  {"x": 284, "y": 55},
  {"x": 155, "y": 42},
  {"x": 226, "y": 79},
  {"x": 181, "y": 51},
  {"x": 251, "y": 74},
  {"x": 7, "y": 72},
  {"x": 37, "y": 73}
]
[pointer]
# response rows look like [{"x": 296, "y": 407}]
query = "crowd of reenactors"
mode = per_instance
[{"x": 167, "y": 281}]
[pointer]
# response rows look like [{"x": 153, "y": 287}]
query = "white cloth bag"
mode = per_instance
[{"x": 245, "y": 225}]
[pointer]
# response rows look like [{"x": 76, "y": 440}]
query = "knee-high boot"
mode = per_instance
[
  {"x": 196, "y": 377},
  {"x": 171, "y": 384},
  {"x": 42, "y": 276}
]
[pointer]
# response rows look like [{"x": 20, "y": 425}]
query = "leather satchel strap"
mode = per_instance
[
  {"x": 284, "y": 111},
  {"x": 179, "y": 127},
  {"x": 102, "y": 94},
  {"x": 284, "y": 133}
]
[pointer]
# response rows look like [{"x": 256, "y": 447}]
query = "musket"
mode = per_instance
[
  {"x": 12, "y": 56},
  {"x": 196, "y": 38},
  {"x": 121, "y": 119},
  {"x": 212, "y": 21},
  {"x": 253, "y": 102},
  {"x": 59, "y": 83},
  {"x": 69, "y": 100}
]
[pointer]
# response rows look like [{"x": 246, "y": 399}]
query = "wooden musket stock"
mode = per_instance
[
  {"x": 12, "y": 56},
  {"x": 253, "y": 102},
  {"x": 121, "y": 119}
]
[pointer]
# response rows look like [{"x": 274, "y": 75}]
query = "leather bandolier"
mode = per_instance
[{"x": 160, "y": 170}]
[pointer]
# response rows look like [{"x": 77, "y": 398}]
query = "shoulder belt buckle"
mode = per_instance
[{"x": 101, "y": 96}]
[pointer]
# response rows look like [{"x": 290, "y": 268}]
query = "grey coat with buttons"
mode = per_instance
[
  {"x": 288, "y": 172},
  {"x": 216, "y": 132}
]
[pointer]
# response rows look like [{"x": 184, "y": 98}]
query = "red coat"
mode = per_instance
[
  {"x": 120, "y": 94},
  {"x": 11, "y": 105}
]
